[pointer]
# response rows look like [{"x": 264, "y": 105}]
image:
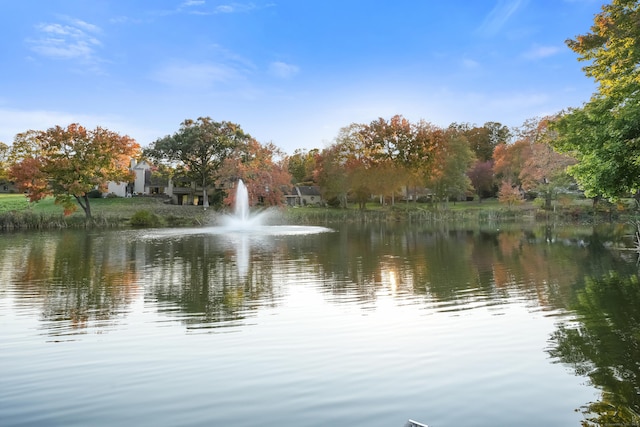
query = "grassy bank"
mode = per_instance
[{"x": 16, "y": 213}]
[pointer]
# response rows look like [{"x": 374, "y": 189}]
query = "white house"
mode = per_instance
[{"x": 143, "y": 184}]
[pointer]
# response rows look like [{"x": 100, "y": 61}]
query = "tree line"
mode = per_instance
[{"x": 596, "y": 146}]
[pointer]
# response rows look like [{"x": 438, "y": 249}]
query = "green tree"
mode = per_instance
[
  {"x": 70, "y": 162},
  {"x": 331, "y": 175},
  {"x": 301, "y": 166},
  {"x": 198, "y": 150},
  {"x": 483, "y": 139},
  {"x": 604, "y": 134},
  {"x": 4, "y": 162}
]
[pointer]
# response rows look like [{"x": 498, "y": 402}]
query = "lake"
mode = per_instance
[{"x": 353, "y": 325}]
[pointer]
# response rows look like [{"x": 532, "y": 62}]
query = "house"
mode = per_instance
[
  {"x": 304, "y": 195},
  {"x": 144, "y": 183},
  {"x": 7, "y": 187}
]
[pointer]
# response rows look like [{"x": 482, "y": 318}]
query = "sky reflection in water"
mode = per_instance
[{"x": 357, "y": 326}]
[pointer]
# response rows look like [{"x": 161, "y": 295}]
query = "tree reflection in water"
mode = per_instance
[
  {"x": 75, "y": 279},
  {"x": 604, "y": 345}
]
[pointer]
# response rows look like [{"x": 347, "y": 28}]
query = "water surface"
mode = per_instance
[{"x": 359, "y": 326}]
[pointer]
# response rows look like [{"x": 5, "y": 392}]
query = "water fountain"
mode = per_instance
[
  {"x": 244, "y": 221},
  {"x": 242, "y": 230}
]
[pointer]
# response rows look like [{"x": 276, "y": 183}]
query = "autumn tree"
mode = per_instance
[
  {"x": 4, "y": 162},
  {"x": 388, "y": 145},
  {"x": 331, "y": 175},
  {"x": 402, "y": 153},
  {"x": 198, "y": 150},
  {"x": 345, "y": 168},
  {"x": 545, "y": 170},
  {"x": 301, "y": 165},
  {"x": 481, "y": 177},
  {"x": 452, "y": 161},
  {"x": 509, "y": 160},
  {"x": 70, "y": 162},
  {"x": 604, "y": 134},
  {"x": 354, "y": 156},
  {"x": 483, "y": 139},
  {"x": 262, "y": 168},
  {"x": 509, "y": 194}
]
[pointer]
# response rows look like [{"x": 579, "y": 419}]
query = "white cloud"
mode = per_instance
[
  {"x": 195, "y": 75},
  {"x": 470, "y": 63},
  {"x": 540, "y": 52},
  {"x": 199, "y": 7},
  {"x": 499, "y": 15},
  {"x": 283, "y": 70},
  {"x": 86, "y": 26},
  {"x": 190, "y": 3},
  {"x": 225, "y": 8},
  {"x": 75, "y": 40}
]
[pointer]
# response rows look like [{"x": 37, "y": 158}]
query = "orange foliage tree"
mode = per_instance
[
  {"x": 262, "y": 168},
  {"x": 70, "y": 162},
  {"x": 545, "y": 170},
  {"x": 509, "y": 194}
]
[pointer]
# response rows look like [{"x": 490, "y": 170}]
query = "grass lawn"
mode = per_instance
[
  {"x": 110, "y": 207},
  {"x": 13, "y": 202},
  {"x": 119, "y": 211}
]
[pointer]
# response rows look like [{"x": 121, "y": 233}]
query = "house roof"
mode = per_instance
[{"x": 308, "y": 190}]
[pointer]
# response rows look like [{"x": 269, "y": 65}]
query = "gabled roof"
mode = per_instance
[{"x": 308, "y": 190}]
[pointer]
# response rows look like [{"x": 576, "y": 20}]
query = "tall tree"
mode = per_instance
[
  {"x": 481, "y": 176},
  {"x": 70, "y": 162},
  {"x": 4, "y": 162},
  {"x": 484, "y": 139},
  {"x": 301, "y": 165},
  {"x": 545, "y": 170},
  {"x": 401, "y": 153},
  {"x": 331, "y": 175},
  {"x": 454, "y": 159},
  {"x": 199, "y": 149},
  {"x": 509, "y": 160},
  {"x": 389, "y": 144},
  {"x": 605, "y": 133},
  {"x": 345, "y": 168},
  {"x": 262, "y": 169}
]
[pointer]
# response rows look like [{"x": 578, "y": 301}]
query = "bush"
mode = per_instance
[
  {"x": 145, "y": 218},
  {"x": 94, "y": 194}
]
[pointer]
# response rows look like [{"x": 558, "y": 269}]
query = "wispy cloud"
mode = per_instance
[
  {"x": 540, "y": 52},
  {"x": 73, "y": 39},
  {"x": 196, "y": 75},
  {"x": 122, "y": 20},
  {"x": 200, "y": 7},
  {"x": 190, "y": 3},
  {"x": 470, "y": 64},
  {"x": 499, "y": 15},
  {"x": 283, "y": 70}
]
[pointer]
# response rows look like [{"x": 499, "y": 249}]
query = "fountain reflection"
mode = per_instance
[{"x": 244, "y": 229}]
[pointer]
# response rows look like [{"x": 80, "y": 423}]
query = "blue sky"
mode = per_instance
[{"x": 291, "y": 72}]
